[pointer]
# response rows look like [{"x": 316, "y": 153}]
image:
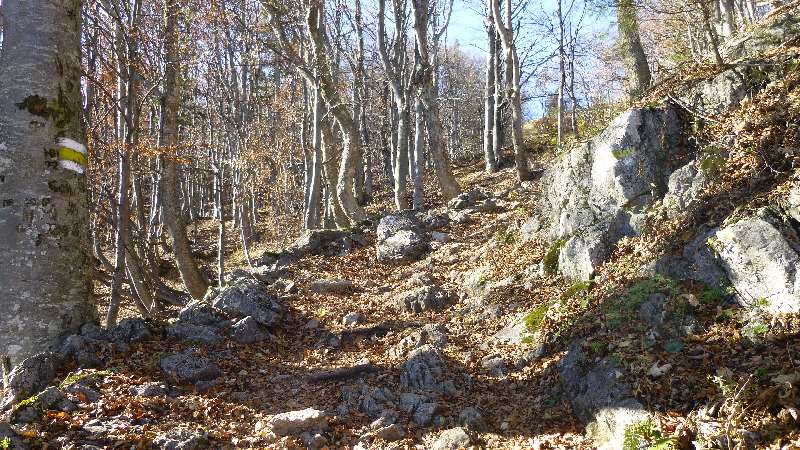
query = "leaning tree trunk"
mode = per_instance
[
  {"x": 170, "y": 182},
  {"x": 633, "y": 52},
  {"x": 45, "y": 284}
]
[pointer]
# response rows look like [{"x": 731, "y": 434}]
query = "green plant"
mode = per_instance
[
  {"x": 760, "y": 329},
  {"x": 81, "y": 375},
  {"x": 5, "y": 444},
  {"x": 550, "y": 261},
  {"x": 505, "y": 236},
  {"x": 642, "y": 289},
  {"x": 579, "y": 287},
  {"x": 598, "y": 346},
  {"x": 711, "y": 295},
  {"x": 644, "y": 435},
  {"x": 533, "y": 320},
  {"x": 621, "y": 153},
  {"x": 712, "y": 162}
]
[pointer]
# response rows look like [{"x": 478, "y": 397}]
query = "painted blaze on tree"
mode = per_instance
[{"x": 44, "y": 259}]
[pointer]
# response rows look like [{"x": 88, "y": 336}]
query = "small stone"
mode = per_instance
[
  {"x": 495, "y": 365},
  {"x": 312, "y": 324},
  {"x": 332, "y": 286},
  {"x": 390, "y": 433},
  {"x": 189, "y": 366},
  {"x": 438, "y": 236},
  {"x": 295, "y": 422},
  {"x": 148, "y": 390},
  {"x": 472, "y": 419},
  {"x": 352, "y": 319},
  {"x": 452, "y": 439},
  {"x": 181, "y": 439}
]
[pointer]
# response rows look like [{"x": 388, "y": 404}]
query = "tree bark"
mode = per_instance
[
  {"x": 488, "y": 114},
  {"x": 513, "y": 88},
  {"x": 170, "y": 189},
  {"x": 45, "y": 279},
  {"x": 633, "y": 53}
]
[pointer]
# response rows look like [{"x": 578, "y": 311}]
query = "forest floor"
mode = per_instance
[{"x": 523, "y": 407}]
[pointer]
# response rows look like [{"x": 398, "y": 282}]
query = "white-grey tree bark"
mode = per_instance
[{"x": 45, "y": 284}]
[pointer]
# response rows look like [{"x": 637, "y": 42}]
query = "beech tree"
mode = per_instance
[{"x": 44, "y": 242}]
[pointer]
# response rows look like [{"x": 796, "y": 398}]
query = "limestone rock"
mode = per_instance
[
  {"x": 424, "y": 369},
  {"x": 29, "y": 377},
  {"x": 189, "y": 366},
  {"x": 433, "y": 334},
  {"x": 422, "y": 299},
  {"x": 684, "y": 185},
  {"x": 599, "y": 397},
  {"x": 296, "y": 422},
  {"x": 248, "y": 331},
  {"x": 452, "y": 439},
  {"x": 249, "y": 298},
  {"x": 189, "y": 332},
  {"x": 761, "y": 259},
  {"x": 181, "y": 439},
  {"x": 200, "y": 313},
  {"x": 332, "y": 286},
  {"x": 400, "y": 239},
  {"x": 472, "y": 419}
]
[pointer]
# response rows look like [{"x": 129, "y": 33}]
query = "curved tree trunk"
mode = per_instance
[
  {"x": 635, "y": 59},
  {"x": 170, "y": 188},
  {"x": 45, "y": 278}
]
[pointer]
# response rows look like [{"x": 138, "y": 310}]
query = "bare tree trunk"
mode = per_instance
[
  {"x": 427, "y": 93},
  {"x": 45, "y": 219},
  {"x": 312, "y": 219},
  {"x": 170, "y": 189},
  {"x": 638, "y": 70},
  {"x": 418, "y": 159},
  {"x": 488, "y": 127},
  {"x": 512, "y": 61}
]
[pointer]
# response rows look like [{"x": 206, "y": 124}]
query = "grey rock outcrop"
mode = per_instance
[
  {"x": 400, "y": 238},
  {"x": 599, "y": 398},
  {"x": 596, "y": 194},
  {"x": 249, "y": 298},
  {"x": 314, "y": 242},
  {"x": 181, "y": 439},
  {"x": 432, "y": 334},
  {"x": 684, "y": 185},
  {"x": 425, "y": 370},
  {"x": 760, "y": 256}
]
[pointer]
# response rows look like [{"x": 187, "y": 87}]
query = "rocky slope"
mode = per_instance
[{"x": 642, "y": 293}]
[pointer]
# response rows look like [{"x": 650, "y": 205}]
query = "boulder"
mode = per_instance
[
  {"x": 421, "y": 299},
  {"x": 189, "y": 332},
  {"x": 314, "y": 242},
  {"x": 400, "y": 239},
  {"x": 599, "y": 398},
  {"x": 248, "y": 331},
  {"x": 296, "y": 422},
  {"x": 29, "y": 377},
  {"x": 696, "y": 261},
  {"x": 465, "y": 200},
  {"x": 494, "y": 365},
  {"x": 249, "y": 298},
  {"x": 352, "y": 319},
  {"x": 189, "y": 366},
  {"x": 148, "y": 390},
  {"x": 760, "y": 257},
  {"x": 452, "y": 439},
  {"x": 129, "y": 331}
]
